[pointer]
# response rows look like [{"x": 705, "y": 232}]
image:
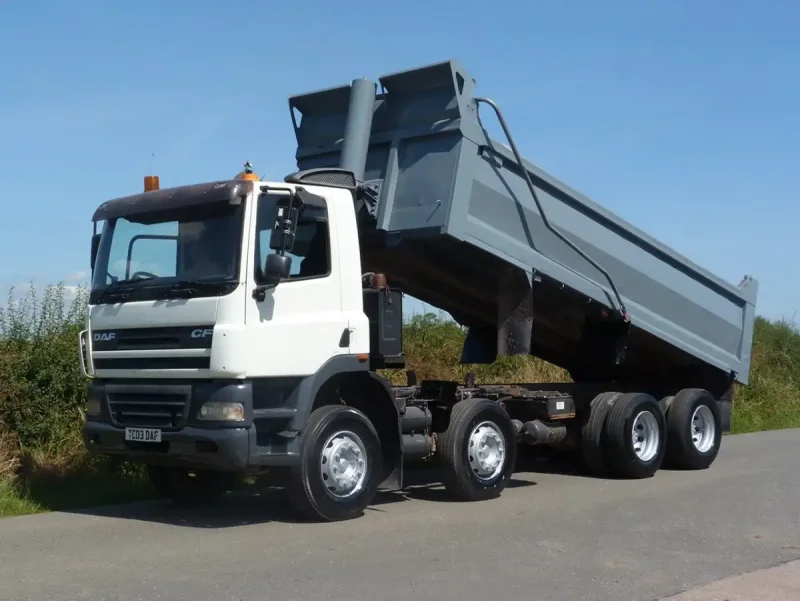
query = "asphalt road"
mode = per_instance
[{"x": 552, "y": 536}]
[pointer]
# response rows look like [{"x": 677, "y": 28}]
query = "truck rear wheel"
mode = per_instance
[
  {"x": 340, "y": 464},
  {"x": 635, "y": 436},
  {"x": 592, "y": 432},
  {"x": 477, "y": 450},
  {"x": 694, "y": 426},
  {"x": 186, "y": 487}
]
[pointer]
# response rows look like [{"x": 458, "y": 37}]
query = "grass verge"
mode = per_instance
[
  {"x": 64, "y": 477},
  {"x": 13, "y": 503}
]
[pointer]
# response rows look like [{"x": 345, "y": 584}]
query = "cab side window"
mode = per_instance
[{"x": 311, "y": 256}]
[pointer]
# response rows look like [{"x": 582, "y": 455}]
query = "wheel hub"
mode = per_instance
[
  {"x": 343, "y": 465},
  {"x": 486, "y": 450},
  {"x": 645, "y": 436},
  {"x": 703, "y": 429}
]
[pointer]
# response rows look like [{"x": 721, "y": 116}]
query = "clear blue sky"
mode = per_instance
[{"x": 681, "y": 116}]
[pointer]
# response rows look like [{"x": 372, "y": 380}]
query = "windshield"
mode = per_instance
[{"x": 147, "y": 252}]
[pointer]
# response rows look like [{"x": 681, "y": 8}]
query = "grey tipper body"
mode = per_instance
[
  {"x": 444, "y": 180},
  {"x": 252, "y": 366}
]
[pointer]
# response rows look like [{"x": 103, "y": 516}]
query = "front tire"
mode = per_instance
[
  {"x": 340, "y": 465},
  {"x": 694, "y": 424},
  {"x": 635, "y": 436},
  {"x": 478, "y": 450}
]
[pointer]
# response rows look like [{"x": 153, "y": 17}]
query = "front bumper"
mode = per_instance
[
  {"x": 200, "y": 448},
  {"x": 262, "y": 439}
]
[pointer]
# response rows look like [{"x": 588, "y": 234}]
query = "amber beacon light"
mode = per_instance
[{"x": 150, "y": 183}]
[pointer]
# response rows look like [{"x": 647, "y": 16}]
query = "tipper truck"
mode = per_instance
[{"x": 241, "y": 326}]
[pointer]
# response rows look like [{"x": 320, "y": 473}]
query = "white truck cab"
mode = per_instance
[
  {"x": 200, "y": 268},
  {"x": 220, "y": 315}
]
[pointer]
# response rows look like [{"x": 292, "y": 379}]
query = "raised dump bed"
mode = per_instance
[{"x": 455, "y": 224}]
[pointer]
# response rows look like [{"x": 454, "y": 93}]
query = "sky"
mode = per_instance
[{"x": 680, "y": 116}]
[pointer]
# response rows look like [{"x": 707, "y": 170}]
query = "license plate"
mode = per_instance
[{"x": 142, "y": 435}]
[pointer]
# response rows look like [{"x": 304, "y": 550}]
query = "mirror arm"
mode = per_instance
[
  {"x": 287, "y": 231},
  {"x": 260, "y": 291}
]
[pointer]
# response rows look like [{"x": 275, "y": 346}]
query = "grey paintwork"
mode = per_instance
[
  {"x": 356, "y": 135},
  {"x": 439, "y": 171}
]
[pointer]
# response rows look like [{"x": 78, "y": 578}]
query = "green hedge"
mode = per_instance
[{"x": 42, "y": 391}]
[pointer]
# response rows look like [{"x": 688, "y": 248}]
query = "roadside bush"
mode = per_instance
[
  {"x": 772, "y": 399},
  {"x": 42, "y": 390},
  {"x": 10, "y": 453},
  {"x": 433, "y": 349}
]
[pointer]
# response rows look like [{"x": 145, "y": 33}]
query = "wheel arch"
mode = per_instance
[{"x": 371, "y": 394}]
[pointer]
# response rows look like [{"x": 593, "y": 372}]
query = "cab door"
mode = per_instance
[{"x": 299, "y": 325}]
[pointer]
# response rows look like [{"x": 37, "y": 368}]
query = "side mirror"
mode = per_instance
[
  {"x": 95, "y": 247},
  {"x": 277, "y": 268}
]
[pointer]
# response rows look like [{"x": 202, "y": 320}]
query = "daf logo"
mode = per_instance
[
  {"x": 202, "y": 333},
  {"x": 104, "y": 336}
]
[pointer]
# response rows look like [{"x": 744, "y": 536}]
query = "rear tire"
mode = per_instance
[
  {"x": 592, "y": 447},
  {"x": 340, "y": 465},
  {"x": 190, "y": 487},
  {"x": 478, "y": 450},
  {"x": 694, "y": 426},
  {"x": 635, "y": 436}
]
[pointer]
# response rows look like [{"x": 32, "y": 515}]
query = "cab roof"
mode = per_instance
[
  {"x": 177, "y": 197},
  {"x": 231, "y": 191}
]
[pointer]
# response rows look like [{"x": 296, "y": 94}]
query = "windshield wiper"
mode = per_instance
[
  {"x": 120, "y": 289},
  {"x": 188, "y": 288}
]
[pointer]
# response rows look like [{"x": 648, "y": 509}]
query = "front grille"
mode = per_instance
[
  {"x": 150, "y": 339},
  {"x": 165, "y": 411},
  {"x": 196, "y": 339},
  {"x": 153, "y": 363}
]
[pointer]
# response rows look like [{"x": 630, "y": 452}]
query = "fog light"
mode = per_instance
[
  {"x": 231, "y": 412},
  {"x": 93, "y": 407}
]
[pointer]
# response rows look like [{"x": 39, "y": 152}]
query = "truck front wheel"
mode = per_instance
[
  {"x": 188, "y": 487},
  {"x": 477, "y": 450},
  {"x": 340, "y": 464}
]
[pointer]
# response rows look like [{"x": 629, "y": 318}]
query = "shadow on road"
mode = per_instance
[{"x": 258, "y": 505}]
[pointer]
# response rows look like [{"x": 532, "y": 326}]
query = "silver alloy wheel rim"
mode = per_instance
[
  {"x": 645, "y": 436},
  {"x": 703, "y": 429},
  {"x": 343, "y": 465},
  {"x": 486, "y": 450}
]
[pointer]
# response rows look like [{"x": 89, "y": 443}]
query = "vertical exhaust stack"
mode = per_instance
[{"x": 358, "y": 127}]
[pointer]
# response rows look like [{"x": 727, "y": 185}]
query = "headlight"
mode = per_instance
[
  {"x": 216, "y": 411},
  {"x": 93, "y": 406}
]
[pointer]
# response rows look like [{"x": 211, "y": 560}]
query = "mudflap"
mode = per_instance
[
  {"x": 394, "y": 481},
  {"x": 726, "y": 415}
]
